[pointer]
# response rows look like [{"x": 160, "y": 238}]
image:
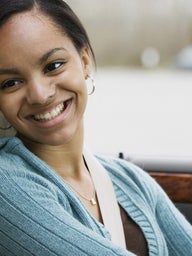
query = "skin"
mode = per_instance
[{"x": 40, "y": 70}]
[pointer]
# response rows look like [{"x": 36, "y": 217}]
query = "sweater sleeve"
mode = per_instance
[
  {"x": 33, "y": 222},
  {"x": 176, "y": 229}
]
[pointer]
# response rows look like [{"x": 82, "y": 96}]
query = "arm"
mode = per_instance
[
  {"x": 176, "y": 229},
  {"x": 33, "y": 222}
]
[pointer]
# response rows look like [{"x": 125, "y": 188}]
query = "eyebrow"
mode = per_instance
[
  {"x": 49, "y": 53},
  {"x": 43, "y": 58},
  {"x": 11, "y": 71}
]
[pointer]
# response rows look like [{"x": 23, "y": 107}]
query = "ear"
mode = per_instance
[{"x": 86, "y": 60}]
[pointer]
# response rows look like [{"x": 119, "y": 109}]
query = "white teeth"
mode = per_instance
[{"x": 50, "y": 115}]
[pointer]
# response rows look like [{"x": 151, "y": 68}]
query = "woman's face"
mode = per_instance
[{"x": 42, "y": 79}]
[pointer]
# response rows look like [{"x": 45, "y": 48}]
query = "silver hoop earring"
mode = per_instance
[{"x": 92, "y": 84}]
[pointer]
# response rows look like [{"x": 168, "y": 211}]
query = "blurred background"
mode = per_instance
[
  {"x": 142, "y": 103},
  {"x": 126, "y": 32}
]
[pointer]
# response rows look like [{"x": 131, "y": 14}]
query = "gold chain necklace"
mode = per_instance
[{"x": 91, "y": 200}]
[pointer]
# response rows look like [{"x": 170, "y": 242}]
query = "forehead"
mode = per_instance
[
  {"x": 31, "y": 31},
  {"x": 21, "y": 23}
]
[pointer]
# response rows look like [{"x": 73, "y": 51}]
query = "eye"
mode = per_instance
[
  {"x": 54, "y": 66},
  {"x": 10, "y": 84}
]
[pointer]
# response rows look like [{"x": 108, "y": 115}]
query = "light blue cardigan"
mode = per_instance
[{"x": 40, "y": 215}]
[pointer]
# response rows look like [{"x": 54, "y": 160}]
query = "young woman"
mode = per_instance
[{"x": 55, "y": 198}]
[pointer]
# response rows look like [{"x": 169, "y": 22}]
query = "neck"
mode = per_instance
[{"x": 65, "y": 159}]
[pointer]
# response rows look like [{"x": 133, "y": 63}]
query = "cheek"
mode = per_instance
[
  {"x": 9, "y": 107},
  {"x": 73, "y": 81},
  {"x": 10, "y": 115},
  {"x": 4, "y": 106},
  {"x": 80, "y": 90}
]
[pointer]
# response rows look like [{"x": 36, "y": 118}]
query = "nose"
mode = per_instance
[{"x": 39, "y": 91}]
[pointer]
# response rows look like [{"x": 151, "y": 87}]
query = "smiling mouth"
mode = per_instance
[{"x": 53, "y": 113}]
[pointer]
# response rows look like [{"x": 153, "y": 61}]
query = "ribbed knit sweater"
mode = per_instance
[{"x": 40, "y": 215}]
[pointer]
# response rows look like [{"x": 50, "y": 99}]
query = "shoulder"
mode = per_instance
[
  {"x": 119, "y": 167},
  {"x": 11, "y": 153},
  {"x": 130, "y": 178},
  {"x": 17, "y": 173},
  {"x": 8, "y": 143}
]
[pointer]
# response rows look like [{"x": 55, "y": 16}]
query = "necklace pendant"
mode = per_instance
[{"x": 92, "y": 201}]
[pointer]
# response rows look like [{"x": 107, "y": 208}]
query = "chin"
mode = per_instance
[{"x": 54, "y": 138}]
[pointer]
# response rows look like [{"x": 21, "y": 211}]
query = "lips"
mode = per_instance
[{"x": 51, "y": 114}]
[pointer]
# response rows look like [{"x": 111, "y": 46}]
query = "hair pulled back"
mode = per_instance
[{"x": 60, "y": 13}]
